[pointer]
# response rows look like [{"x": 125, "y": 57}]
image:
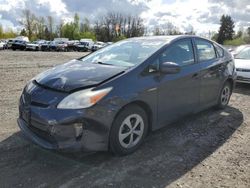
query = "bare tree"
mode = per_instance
[
  {"x": 50, "y": 26},
  {"x": 40, "y": 27},
  {"x": 116, "y": 25},
  {"x": 29, "y": 22}
]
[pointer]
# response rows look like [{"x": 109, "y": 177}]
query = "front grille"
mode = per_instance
[
  {"x": 243, "y": 70},
  {"x": 38, "y": 104}
]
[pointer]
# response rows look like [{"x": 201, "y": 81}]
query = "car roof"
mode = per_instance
[{"x": 166, "y": 38}]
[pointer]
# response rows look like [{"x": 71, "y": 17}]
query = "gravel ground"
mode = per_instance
[{"x": 209, "y": 149}]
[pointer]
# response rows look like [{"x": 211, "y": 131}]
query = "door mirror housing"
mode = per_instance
[{"x": 170, "y": 68}]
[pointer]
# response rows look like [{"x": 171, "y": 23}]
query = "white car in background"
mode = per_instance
[
  {"x": 98, "y": 45},
  {"x": 3, "y": 45},
  {"x": 36, "y": 45},
  {"x": 85, "y": 45},
  {"x": 242, "y": 64},
  {"x": 33, "y": 46}
]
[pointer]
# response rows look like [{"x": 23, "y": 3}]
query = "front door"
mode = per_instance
[{"x": 178, "y": 94}]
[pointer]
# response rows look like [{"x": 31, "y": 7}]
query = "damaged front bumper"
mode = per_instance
[{"x": 63, "y": 129}]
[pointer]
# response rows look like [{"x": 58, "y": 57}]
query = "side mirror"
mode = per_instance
[{"x": 169, "y": 68}]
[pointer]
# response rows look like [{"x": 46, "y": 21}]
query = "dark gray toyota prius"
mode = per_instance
[{"x": 111, "y": 99}]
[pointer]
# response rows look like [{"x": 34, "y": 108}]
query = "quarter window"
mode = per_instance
[
  {"x": 219, "y": 50},
  {"x": 205, "y": 50},
  {"x": 181, "y": 52}
]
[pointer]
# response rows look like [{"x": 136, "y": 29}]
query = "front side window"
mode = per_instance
[
  {"x": 243, "y": 54},
  {"x": 205, "y": 50},
  {"x": 181, "y": 52}
]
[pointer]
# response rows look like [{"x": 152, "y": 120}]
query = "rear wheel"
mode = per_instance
[
  {"x": 129, "y": 130},
  {"x": 225, "y": 95}
]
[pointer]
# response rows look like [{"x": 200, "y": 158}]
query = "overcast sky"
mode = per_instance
[{"x": 201, "y": 16}]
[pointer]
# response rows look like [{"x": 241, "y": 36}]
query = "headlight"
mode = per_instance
[{"x": 83, "y": 99}]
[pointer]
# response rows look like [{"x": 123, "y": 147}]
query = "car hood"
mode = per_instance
[
  {"x": 242, "y": 64},
  {"x": 76, "y": 75}
]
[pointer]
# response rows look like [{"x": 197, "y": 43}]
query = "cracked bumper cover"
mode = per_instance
[{"x": 60, "y": 133}]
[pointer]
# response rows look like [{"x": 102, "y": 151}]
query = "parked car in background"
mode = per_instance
[
  {"x": 236, "y": 50},
  {"x": 45, "y": 46},
  {"x": 242, "y": 64},
  {"x": 18, "y": 45},
  {"x": 112, "y": 98},
  {"x": 62, "y": 46},
  {"x": 9, "y": 43},
  {"x": 98, "y": 45},
  {"x": 53, "y": 45},
  {"x": 85, "y": 45},
  {"x": 3, "y": 44},
  {"x": 72, "y": 45},
  {"x": 36, "y": 45},
  {"x": 109, "y": 43}
]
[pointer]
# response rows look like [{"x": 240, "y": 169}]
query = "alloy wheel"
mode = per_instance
[
  {"x": 225, "y": 95},
  {"x": 131, "y": 131}
]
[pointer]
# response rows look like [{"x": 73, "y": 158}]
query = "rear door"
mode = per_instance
[
  {"x": 211, "y": 71},
  {"x": 178, "y": 94}
]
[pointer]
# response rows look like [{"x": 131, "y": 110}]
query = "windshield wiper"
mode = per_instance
[{"x": 101, "y": 63}]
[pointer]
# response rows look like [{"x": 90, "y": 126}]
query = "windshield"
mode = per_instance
[
  {"x": 243, "y": 54},
  {"x": 84, "y": 43},
  {"x": 126, "y": 53}
]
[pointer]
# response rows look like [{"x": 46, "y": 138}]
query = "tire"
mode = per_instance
[
  {"x": 125, "y": 138},
  {"x": 224, "y": 96}
]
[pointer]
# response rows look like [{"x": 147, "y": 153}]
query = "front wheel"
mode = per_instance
[
  {"x": 225, "y": 95},
  {"x": 128, "y": 130}
]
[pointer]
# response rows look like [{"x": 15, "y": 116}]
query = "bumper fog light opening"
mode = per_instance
[{"x": 78, "y": 130}]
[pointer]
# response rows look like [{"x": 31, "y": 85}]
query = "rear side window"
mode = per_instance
[
  {"x": 219, "y": 50},
  {"x": 180, "y": 52},
  {"x": 205, "y": 50}
]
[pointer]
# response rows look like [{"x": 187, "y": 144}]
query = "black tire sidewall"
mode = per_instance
[{"x": 114, "y": 143}]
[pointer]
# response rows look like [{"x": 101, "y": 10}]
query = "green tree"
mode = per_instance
[
  {"x": 215, "y": 36},
  {"x": 87, "y": 35},
  {"x": 76, "y": 27},
  {"x": 46, "y": 33},
  {"x": 23, "y": 32},
  {"x": 226, "y": 31},
  {"x": 68, "y": 30},
  {"x": 71, "y": 30},
  {"x": 248, "y": 31},
  {"x": 1, "y": 31},
  {"x": 239, "y": 34},
  {"x": 40, "y": 25}
]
